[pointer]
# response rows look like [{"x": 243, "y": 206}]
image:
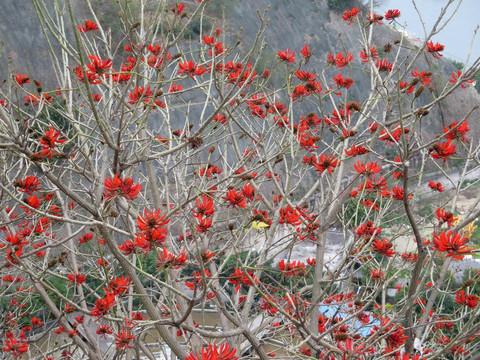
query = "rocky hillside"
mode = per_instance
[{"x": 291, "y": 25}]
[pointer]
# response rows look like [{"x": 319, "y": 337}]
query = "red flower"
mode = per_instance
[
  {"x": 471, "y": 301},
  {"x": 383, "y": 65},
  {"x": 305, "y": 76},
  {"x": 435, "y": 49},
  {"x": 458, "y": 75},
  {"x": 121, "y": 187},
  {"x": 104, "y": 330},
  {"x": 377, "y": 275},
  {"x": 391, "y": 15},
  {"x": 442, "y": 150},
  {"x": 305, "y": 52},
  {"x": 373, "y": 54},
  {"x": 140, "y": 94},
  {"x": 424, "y": 75},
  {"x": 36, "y": 322},
  {"x": 169, "y": 260},
  {"x": 397, "y": 193},
  {"x": 406, "y": 85},
  {"x": 350, "y": 15},
  {"x": 97, "y": 65},
  {"x": 177, "y": 10},
  {"x": 209, "y": 171},
  {"x": 239, "y": 277},
  {"x": 249, "y": 192},
  {"x": 77, "y": 279},
  {"x": 224, "y": 352},
  {"x": 235, "y": 198},
  {"x": 451, "y": 242},
  {"x": 208, "y": 40},
  {"x": 343, "y": 82},
  {"x": 374, "y": 18},
  {"x": 340, "y": 61},
  {"x": 103, "y": 305},
  {"x": 368, "y": 230},
  {"x": 91, "y": 77},
  {"x": 286, "y": 55},
  {"x": 50, "y": 138},
  {"x": 119, "y": 286},
  {"x": 123, "y": 338},
  {"x": 127, "y": 248},
  {"x": 22, "y": 79},
  {"x": 356, "y": 150},
  {"x": 325, "y": 162},
  {"x": 152, "y": 221},
  {"x": 367, "y": 169},
  {"x": 28, "y": 185},
  {"x": 32, "y": 201},
  {"x": 383, "y": 246},
  {"x": 220, "y": 118},
  {"x": 373, "y": 205},
  {"x": 204, "y": 207},
  {"x": 455, "y": 131},
  {"x": 290, "y": 216},
  {"x": 217, "y": 50},
  {"x": 16, "y": 347},
  {"x": 89, "y": 26},
  {"x": 175, "y": 88},
  {"x": 203, "y": 225},
  {"x": 191, "y": 69},
  {"x": 436, "y": 186},
  {"x": 294, "y": 268},
  {"x": 445, "y": 216}
]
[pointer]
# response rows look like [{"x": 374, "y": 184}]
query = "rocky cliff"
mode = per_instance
[{"x": 291, "y": 25}]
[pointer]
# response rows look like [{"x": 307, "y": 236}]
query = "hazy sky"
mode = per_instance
[{"x": 456, "y": 36}]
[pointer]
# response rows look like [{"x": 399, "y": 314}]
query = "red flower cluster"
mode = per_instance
[
  {"x": 287, "y": 56},
  {"x": 235, "y": 198},
  {"x": 28, "y": 185},
  {"x": 190, "y": 68},
  {"x": 471, "y": 301},
  {"x": 435, "y": 49},
  {"x": 339, "y": 60},
  {"x": 121, "y": 187},
  {"x": 457, "y": 76},
  {"x": 391, "y": 15},
  {"x": 89, "y": 26},
  {"x": 455, "y": 131},
  {"x": 383, "y": 246},
  {"x": 350, "y": 15},
  {"x": 223, "y": 352},
  {"x": 239, "y": 277},
  {"x": 168, "y": 260},
  {"x": 451, "y": 242},
  {"x": 294, "y": 268},
  {"x": 103, "y": 305},
  {"x": 16, "y": 346},
  {"x": 326, "y": 162},
  {"x": 436, "y": 186},
  {"x": 445, "y": 217}
]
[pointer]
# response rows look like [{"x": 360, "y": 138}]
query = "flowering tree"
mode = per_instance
[{"x": 147, "y": 199}]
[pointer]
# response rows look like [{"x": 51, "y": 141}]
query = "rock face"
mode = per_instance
[
  {"x": 26, "y": 48},
  {"x": 291, "y": 25}
]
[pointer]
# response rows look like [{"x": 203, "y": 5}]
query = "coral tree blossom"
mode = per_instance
[
  {"x": 89, "y": 26},
  {"x": 121, "y": 187},
  {"x": 286, "y": 55},
  {"x": 451, "y": 242},
  {"x": 435, "y": 49}
]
